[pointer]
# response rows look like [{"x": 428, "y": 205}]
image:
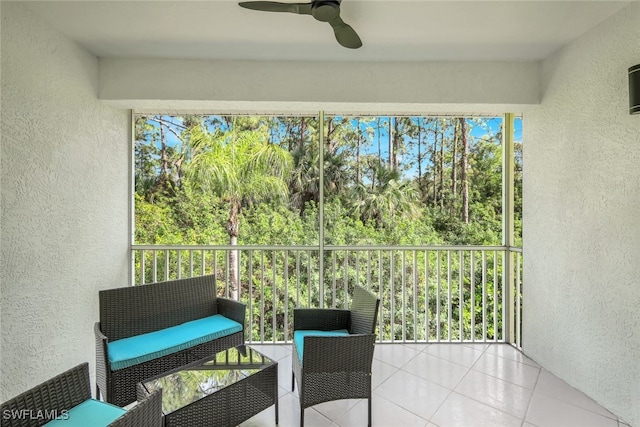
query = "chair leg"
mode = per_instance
[
  {"x": 293, "y": 380},
  {"x": 301, "y": 416},
  {"x": 369, "y": 411}
]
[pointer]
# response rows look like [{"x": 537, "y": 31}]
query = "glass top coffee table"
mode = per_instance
[{"x": 223, "y": 390}]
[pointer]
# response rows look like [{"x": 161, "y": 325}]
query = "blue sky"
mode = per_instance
[
  {"x": 492, "y": 127},
  {"x": 487, "y": 127}
]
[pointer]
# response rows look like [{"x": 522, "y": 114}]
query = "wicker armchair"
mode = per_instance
[
  {"x": 333, "y": 352},
  {"x": 58, "y": 396}
]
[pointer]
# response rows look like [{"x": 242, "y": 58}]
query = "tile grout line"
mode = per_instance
[
  {"x": 539, "y": 368},
  {"x": 407, "y": 372},
  {"x": 386, "y": 379},
  {"x": 612, "y": 417},
  {"x": 523, "y": 420},
  {"x": 452, "y": 390},
  {"x": 451, "y": 361},
  {"x": 526, "y": 413}
]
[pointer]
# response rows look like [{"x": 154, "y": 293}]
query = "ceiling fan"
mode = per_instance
[{"x": 321, "y": 10}]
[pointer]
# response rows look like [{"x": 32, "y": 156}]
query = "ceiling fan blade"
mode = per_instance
[
  {"x": 271, "y": 6},
  {"x": 345, "y": 35}
]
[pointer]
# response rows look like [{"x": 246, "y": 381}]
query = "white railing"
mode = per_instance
[{"x": 427, "y": 293}]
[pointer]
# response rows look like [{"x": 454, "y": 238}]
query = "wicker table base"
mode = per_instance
[{"x": 223, "y": 390}]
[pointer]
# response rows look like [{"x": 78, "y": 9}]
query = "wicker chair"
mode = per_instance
[
  {"x": 58, "y": 396},
  {"x": 333, "y": 352}
]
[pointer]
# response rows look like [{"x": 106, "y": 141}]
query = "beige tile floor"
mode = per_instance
[{"x": 445, "y": 385}]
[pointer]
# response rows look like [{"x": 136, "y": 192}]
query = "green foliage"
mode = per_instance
[
  {"x": 387, "y": 181},
  {"x": 272, "y": 224}
]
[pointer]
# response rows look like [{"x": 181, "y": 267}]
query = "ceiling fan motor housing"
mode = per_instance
[{"x": 325, "y": 11}]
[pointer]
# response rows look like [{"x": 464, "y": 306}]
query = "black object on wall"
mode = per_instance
[{"x": 634, "y": 89}]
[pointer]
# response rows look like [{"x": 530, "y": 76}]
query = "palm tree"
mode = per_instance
[
  {"x": 305, "y": 179},
  {"x": 242, "y": 168},
  {"x": 389, "y": 197}
]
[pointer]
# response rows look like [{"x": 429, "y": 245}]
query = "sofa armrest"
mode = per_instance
[
  {"x": 322, "y": 319},
  {"x": 58, "y": 394},
  {"x": 102, "y": 361},
  {"x": 233, "y": 310},
  {"x": 147, "y": 412}
]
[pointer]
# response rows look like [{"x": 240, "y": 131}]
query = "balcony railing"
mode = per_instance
[{"x": 427, "y": 293}]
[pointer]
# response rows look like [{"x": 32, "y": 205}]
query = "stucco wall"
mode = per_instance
[
  {"x": 64, "y": 202},
  {"x": 581, "y": 218},
  {"x": 423, "y": 84}
]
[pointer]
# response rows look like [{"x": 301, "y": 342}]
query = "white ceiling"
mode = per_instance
[{"x": 391, "y": 30}]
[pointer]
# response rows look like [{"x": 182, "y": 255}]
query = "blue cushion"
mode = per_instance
[
  {"x": 142, "y": 348},
  {"x": 298, "y": 337},
  {"x": 90, "y": 413}
]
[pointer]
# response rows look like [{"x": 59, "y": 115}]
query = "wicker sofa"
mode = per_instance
[
  {"x": 66, "y": 400},
  {"x": 146, "y": 330}
]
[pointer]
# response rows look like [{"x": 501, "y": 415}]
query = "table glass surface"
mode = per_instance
[{"x": 200, "y": 379}]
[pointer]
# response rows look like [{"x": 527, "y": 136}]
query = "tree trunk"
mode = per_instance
[
  {"x": 233, "y": 225},
  {"x": 396, "y": 144},
  {"x": 358, "y": 177},
  {"x": 329, "y": 136},
  {"x": 302, "y": 130},
  {"x": 419, "y": 149},
  {"x": 391, "y": 154},
  {"x": 162, "y": 184},
  {"x": 442, "y": 168},
  {"x": 454, "y": 155},
  {"x": 379, "y": 145},
  {"x": 164, "y": 159},
  {"x": 463, "y": 166},
  {"x": 435, "y": 166}
]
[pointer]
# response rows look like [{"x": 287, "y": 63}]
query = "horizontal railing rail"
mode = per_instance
[{"x": 427, "y": 293}]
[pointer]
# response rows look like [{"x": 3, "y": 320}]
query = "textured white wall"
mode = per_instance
[
  {"x": 64, "y": 201},
  {"x": 363, "y": 83},
  {"x": 581, "y": 218}
]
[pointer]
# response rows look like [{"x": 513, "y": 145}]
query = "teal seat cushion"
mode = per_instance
[
  {"x": 142, "y": 348},
  {"x": 298, "y": 337},
  {"x": 90, "y": 413}
]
